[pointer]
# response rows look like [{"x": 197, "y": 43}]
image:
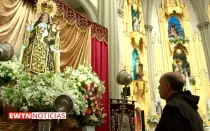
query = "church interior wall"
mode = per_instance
[
  {"x": 95, "y": 3},
  {"x": 195, "y": 55},
  {"x": 130, "y": 40},
  {"x": 163, "y": 58},
  {"x": 192, "y": 16}
]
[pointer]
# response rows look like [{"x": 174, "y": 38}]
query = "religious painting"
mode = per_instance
[
  {"x": 174, "y": 28},
  {"x": 135, "y": 13},
  {"x": 135, "y": 58}
]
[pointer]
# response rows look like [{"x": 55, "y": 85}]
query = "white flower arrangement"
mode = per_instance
[
  {"x": 153, "y": 119},
  {"x": 10, "y": 71},
  {"x": 92, "y": 89},
  {"x": 38, "y": 93}
]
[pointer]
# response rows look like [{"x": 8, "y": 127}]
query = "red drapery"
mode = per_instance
[
  {"x": 99, "y": 51},
  {"x": 99, "y": 62}
]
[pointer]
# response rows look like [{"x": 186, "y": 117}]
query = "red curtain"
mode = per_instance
[
  {"x": 99, "y": 51},
  {"x": 99, "y": 62}
]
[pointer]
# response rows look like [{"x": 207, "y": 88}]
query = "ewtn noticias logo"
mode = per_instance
[{"x": 37, "y": 115}]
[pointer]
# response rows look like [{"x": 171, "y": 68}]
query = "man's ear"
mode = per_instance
[{"x": 168, "y": 87}]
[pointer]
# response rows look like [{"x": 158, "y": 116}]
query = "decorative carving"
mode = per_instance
[
  {"x": 139, "y": 89},
  {"x": 137, "y": 2},
  {"x": 156, "y": 38},
  {"x": 120, "y": 13},
  {"x": 148, "y": 28},
  {"x": 196, "y": 37},
  {"x": 172, "y": 6},
  {"x": 176, "y": 47},
  {"x": 137, "y": 38},
  {"x": 121, "y": 5},
  {"x": 203, "y": 75},
  {"x": 203, "y": 25},
  {"x": 128, "y": 118},
  {"x": 185, "y": 14},
  {"x": 161, "y": 15}
]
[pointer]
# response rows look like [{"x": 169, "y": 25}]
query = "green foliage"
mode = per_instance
[
  {"x": 179, "y": 39},
  {"x": 38, "y": 93}
]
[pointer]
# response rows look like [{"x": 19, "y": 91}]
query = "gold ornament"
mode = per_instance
[{"x": 46, "y": 6}]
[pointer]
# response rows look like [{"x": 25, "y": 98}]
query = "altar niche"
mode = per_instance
[
  {"x": 135, "y": 23},
  {"x": 137, "y": 66},
  {"x": 180, "y": 63},
  {"x": 175, "y": 28},
  {"x": 135, "y": 18}
]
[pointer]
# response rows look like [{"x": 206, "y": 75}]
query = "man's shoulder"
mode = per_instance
[{"x": 176, "y": 101}]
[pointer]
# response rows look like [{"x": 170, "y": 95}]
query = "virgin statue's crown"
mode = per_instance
[{"x": 46, "y": 6}]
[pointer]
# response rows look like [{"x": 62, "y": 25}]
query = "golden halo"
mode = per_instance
[{"x": 46, "y": 6}]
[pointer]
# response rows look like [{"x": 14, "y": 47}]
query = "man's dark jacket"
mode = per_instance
[{"x": 180, "y": 113}]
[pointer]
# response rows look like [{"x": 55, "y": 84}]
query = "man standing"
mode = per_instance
[{"x": 180, "y": 112}]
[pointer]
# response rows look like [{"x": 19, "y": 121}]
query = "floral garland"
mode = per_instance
[
  {"x": 38, "y": 93},
  {"x": 178, "y": 39}
]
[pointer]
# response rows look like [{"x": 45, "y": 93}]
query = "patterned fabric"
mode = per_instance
[
  {"x": 34, "y": 56},
  {"x": 38, "y": 56},
  {"x": 72, "y": 16},
  {"x": 98, "y": 31}
]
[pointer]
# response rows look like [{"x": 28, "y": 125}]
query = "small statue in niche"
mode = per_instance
[
  {"x": 139, "y": 69},
  {"x": 136, "y": 23},
  {"x": 178, "y": 64},
  {"x": 135, "y": 18},
  {"x": 172, "y": 31}
]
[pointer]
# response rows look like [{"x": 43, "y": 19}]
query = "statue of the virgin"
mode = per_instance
[{"x": 41, "y": 45}]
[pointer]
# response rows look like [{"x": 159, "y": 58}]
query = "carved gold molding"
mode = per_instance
[
  {"x": 138, "y": 40},
  {"x": 139, "y": 89},
  {"x": 170, "y": 7},
  {"x": 137, "y": 2}
]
